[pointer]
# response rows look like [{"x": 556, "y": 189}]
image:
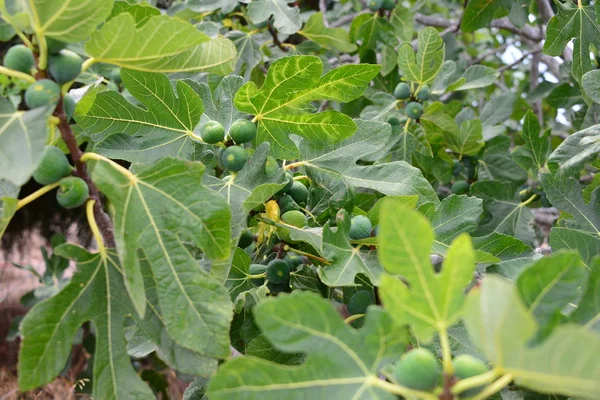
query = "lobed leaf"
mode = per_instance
[
  {"x": 162, "y": 44},
  {"x": 157, "y": 211}
]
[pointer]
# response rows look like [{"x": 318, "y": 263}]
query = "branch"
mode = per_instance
[
  {"x": 545, "y": 9},
  {"x": 527, "y": 32},
  {"x": 520, "y": 60},
  {"x": 275, "y": 38},
  {"x": 102, "y": 219},
  {"x": 323, "y": 9}
]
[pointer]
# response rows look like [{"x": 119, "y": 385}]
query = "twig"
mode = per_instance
[
  {"x": 520, "y": 60},
  {"x": 102, "y": 219},
  {"x": 527, "y": 32},
  {"x": 276, "y": 40},
  {"x": 491, "y": 52}
]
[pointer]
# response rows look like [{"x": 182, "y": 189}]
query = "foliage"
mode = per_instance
[{"x": 287, "y": 198}]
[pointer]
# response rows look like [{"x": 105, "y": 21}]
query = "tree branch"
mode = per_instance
[
  {"x": 346, "y": 19},
  {"x": 102, "y": 219},
  {"x": 276, "y": 40},
  {"x": 527, "y": 32}
]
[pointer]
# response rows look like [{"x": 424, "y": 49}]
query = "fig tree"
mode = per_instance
[
  {"x": 389, "y": 4},
  {"x": 271, "y": 165},
  {"x": 286, "y": 203},
  {"x": 54, "y": 46},
  {"x": 68, "y": 105}
]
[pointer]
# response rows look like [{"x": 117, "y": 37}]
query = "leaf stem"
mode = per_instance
[
  {"x": 353, "y": 318},
  {"x": 97, "y": 157},
  {"x": 89, "y": 210},
  {"x": 494, "y": 387},
  {"x": 309, "y": 255},
  {"x": 446, "y": 351},
  {"x": 529, "y": 200},
  {"x": 16, "y": 74},
  {"x": 36, "y": 195},
  {"x": 88, "y": 63},
  {"x": 401, "y": 390},
  {"x": 294, "y": 165},
  {"x": 475, "y": 381},
  {"x": 43, "y": 47}
]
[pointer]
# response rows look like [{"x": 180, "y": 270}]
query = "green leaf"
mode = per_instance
[
  {"x": 566, "y": 195},
  {"x": 495, "y": 113},
  {"x": 238, "y": 280},
  {"x": 589, "y": 83},
  {"x": 535, "y": 151},
  {"x": 328, "y": 163},
  {"x": 286, "y": 19},
  {"x": 219, "y": 106},
  {"x": 469, "y": 139},
  {"x": 428, "y": 61},
  {"x": 507, "y": 214},
  {"x": 68, "y": 20},
  {"x": 22, "y": 141},
  {"x": 330, "y": 38},
  {"x": 96, "y": 294},
  {"x": 574, "y": 22},
  {"x": 401, "y": 19},
  {"x": 281, "y": 104},
  {"x": 497, "y": 164},
  {"x": 586, "y": 244},
  {"x": 346, "y": 260},
  {"x": 453, "y": 216},
  {"x": 476, "y": 76},
  {"x": 431, "y": 302},
  {"x": 165, "y": 127},
  {"x": 549, "y": 285},
  {"x": 504, "y": 247},
  {"x": 371, "y": 29},
  {"x": 8, "y": 208},
  {"x": 140, "y": 12},
  {"x": 500, "y": 325},
  {"x": 588, "y": 312},
  {"x": 304, "y": 322},
  {"x": 203, "y": 6},
  {"x": 162, "y": 44},
  {"x": 248, "y": 52},
  {"x": 153, "y": 328},
  {"x": 577, "y": 150},
  {"x": 155, "y": 211},
  {"x": 480, "y": 13}
]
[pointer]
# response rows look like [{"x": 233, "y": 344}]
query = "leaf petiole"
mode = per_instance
[
  {"x": 475, "y": 381},
  {"x": 294, "y": 165},
  {"x": 494, "y": 387},
  {"x": 37, "y": 194},
  {"x": 401, "y": 390},
  {"x": 446, "y": 351},
  {"x": 89, "y": 211},
  {"x": 16, "y": 74}
]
